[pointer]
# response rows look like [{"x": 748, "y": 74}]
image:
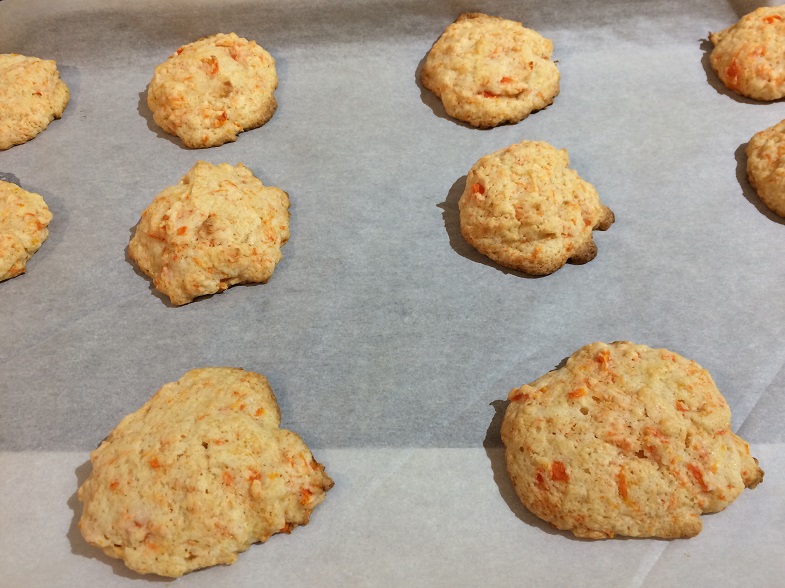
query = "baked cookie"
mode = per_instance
[
  {"x": 198, "y": 474},
  {"x": 766, "y": 166},
  {"x": 218, "y": 227},
  {"x": 625, "y": 440},
  {"x": 526, "y": 210},
  {"x": 749, "y": 57},
  {"x": 32, "y": 95},
  {"x": 24, "y": 218},
  {"x": 488, "y": 70},
  {"x": 213, "y": 89}
]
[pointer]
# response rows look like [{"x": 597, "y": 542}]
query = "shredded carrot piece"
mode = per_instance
[
  {"x": 181, "y": 230},
  {"x": 114, "y": 485},
  {"x": 154, "y": 463},
  {"x": 621, "y": 480},
  {"x": 772, "y": 18},
  {"x": 577, "y": 393},
  {"x": 259, "y": 412},
  {"x": 478, "y": 189},
  {"x": 559, "y": 472},
  {"x": 698, "y": 475},
  {"x": 541, "y": 481},
  {"x": 505, "y": 80},
  {"x": 488, "y": 94}
]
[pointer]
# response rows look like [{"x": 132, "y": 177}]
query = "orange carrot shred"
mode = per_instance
[{"x": 559, "y": 472}]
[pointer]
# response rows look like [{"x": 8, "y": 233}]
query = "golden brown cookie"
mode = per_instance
[
  {"x": 218, "y": 227},
  {"x": 526, "y": 210},
  {"x": 625, "y": 440},
  {"x": 488, "y": 70},
  {"x": 24, "y": 218},
  {"x": 213, "y": 89},
  {"x": 766, "y": 166},
  {"x": 31, "y": 96},
  {"x": 749, "y": 57},
  {"x": 198, "y": 474}
]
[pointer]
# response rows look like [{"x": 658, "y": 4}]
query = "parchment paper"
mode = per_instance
[{"x": 389, "y": 342}]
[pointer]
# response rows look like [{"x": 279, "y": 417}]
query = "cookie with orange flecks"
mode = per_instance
[
  {"x": 219, "y": 226},
  {"x": 625, "y": 440},
  {"x": 489, "y": 70},
  {"x": 212, "y": 89},
  {"x": 24, "y": 218},
  {"x": 527, "y": 210},
  {"x": 198, "y": 474},
  {"x": 749, "y": 57},
  {"x": 32, "y": 95},
  {"x": 766, "y": 166}
]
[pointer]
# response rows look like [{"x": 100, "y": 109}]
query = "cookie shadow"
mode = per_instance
[
  {"x": 147, "y": 114},
  {"x": 494, "y": 449},
  {"x": 81, "y": 548},
  {"x": 452, "y": 224},
  {"x": 746, "y": 188},
  {"x": 715, "y": 82}
]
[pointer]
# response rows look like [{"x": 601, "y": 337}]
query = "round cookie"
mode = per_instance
[
  {"x": 24, "y": 218},
  {"x": 526, "y": 210},
  {"x": 488, "y": 70},
  {"x": 32, "y": 95},
  {"x": 198, "y": 474},
  {"x": 749, "y": 57},
  {"x": 766, "y": 166},
  {"x": 213, "y": 89},
  {"x": 218, "y": 227},
  {"x": 626, "y": 440}
]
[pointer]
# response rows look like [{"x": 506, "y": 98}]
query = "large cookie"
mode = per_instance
[
  {"x": 218, "y": 227},
  {"x": 626, "y": 440},
  {"x": 526, "y": 210},
  {"x": 213, "y": 89},
  {"x": 24, "y": 218},
  {"x": 749, "y": 57},
  {"x": 197, "y": 475},
  {"x": 488, "y": 70},
  {"x": 31, "y": 95},
  {"x": 766, "y": 166}
]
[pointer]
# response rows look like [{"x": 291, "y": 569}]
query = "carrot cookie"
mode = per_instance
[
  {"x": 213, "y": 89},
  {"x": 488, "y": 70},
  {"x": 749, "y": 57},
  {"x": 31, "y": 94},
  {"x": 526, "y": 210},
  {"x": 218, "y": 227},
  {"x": 198, "y": 474},
  {"x": 625, "y": 440},
  {"x": 24, "y": 218},
  {"x": 766, "y": 166}
]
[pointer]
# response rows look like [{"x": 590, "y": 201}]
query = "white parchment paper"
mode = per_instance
[{"x": 389, "y": 342}]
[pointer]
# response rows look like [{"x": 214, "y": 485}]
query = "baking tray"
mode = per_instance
[{"x": 389, "y": 342}]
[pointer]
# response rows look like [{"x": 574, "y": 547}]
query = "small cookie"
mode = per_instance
[
  {"x": 766, "y": 166},
  {"x": 749, "y": 57},
  {"x": 488, "y": 70},
  {"x": 198, "y": 474},
  {"x": 24, "y": 218},
  {"x": 218, "y": 227},
  {"x": 31, "y": 94},
  {"x": 526, "y": 210},
  {"x": 213, "y": 89},
  {"x": 626, "y": 440}
]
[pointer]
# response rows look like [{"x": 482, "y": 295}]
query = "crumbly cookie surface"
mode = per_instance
[
  {"x": 24, "y": 218},
  {"x": 766, "y": 166},
  {"x": 625, "y": 440},
  {"x": 488, "y": 70},
  {"x": 32, "y": 95},
  {"x": 749, "y": 57},
  {"x": 218, "y": 227},
  {"x": 527, "y": 210},
  {"x": 212, "y": 89},
  {"x": 198, "y": 474}
]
